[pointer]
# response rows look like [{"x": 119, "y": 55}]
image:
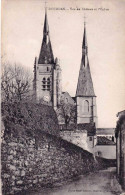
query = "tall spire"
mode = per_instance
[
  {"x": 85, "y": 84},
  {"x": 84, "y": 44},
  {"x": 46, "y": 53}
]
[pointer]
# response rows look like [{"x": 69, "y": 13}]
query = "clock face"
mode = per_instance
[{"x": 46, "y": 98}]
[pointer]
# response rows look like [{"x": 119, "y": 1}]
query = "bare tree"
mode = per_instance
[
  {"x": 66, "y": 113},
  {"x": 15, "y": 82}
]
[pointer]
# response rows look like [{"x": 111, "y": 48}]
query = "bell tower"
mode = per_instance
[
  {"x": 85, "y": 95},
  {"x": 45, "y": 71}
]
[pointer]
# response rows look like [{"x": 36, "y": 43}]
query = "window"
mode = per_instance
[
  {"x": 86, "y": 106},
  {"x": 48, "y": 84},
  {"x": 90, "y": 138},
  {"x": 44, "y": 84},
  {"x": 99, "y": 153},
  {"x": 47, "y": 68}
]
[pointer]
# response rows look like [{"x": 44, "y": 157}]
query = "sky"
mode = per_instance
[{"x": 22, "y": 32}]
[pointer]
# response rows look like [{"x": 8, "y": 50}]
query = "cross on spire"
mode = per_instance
[
  {"x": 85, "y": 19},
  {"x": 45, "y": 4}
]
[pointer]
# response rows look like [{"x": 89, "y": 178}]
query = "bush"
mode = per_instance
[{"x": 21, "y": 118}]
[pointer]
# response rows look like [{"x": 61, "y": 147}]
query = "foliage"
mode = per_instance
[{"x": 21, "y": 118}]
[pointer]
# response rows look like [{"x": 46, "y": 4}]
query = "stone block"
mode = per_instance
[
  {"x": 19, "y": 182},
  {"x": 12, "y": 167},
  {"x": 22, "y": 173},
  {"x": 14, "y": 161},
  {"x": 6, "y": 175},
  {"x": 12, "y": 144},
  {"x": 13, "y": 177},
  {"x": 17, "y": 172},
  {"x": 10, "y": 157},
  {"x": 11, "y": 151},
  {"x": 35, "y": 181},
  {"x": 26, "y": 162}
]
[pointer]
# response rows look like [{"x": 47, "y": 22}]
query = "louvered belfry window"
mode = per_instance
[{"x": 46, "y": 84}]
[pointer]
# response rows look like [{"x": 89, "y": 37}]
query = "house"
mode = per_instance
[
  {"x": 120, "y": 148},
  {"x": 105, "y": 144}
]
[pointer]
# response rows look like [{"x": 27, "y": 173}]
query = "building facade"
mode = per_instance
[
  {"x": 106, "y": 143},
  {"x": 85, "y": 95},
  {"x": 47, "y": 72},
  {"x": 120, "y": 148}
]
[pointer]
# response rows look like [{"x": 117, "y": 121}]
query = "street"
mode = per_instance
[{"x": 102, "y": 182}]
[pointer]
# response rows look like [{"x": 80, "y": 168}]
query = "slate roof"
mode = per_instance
[
  {"x": 104, "y": 141},
  {"x": 85, "y": 84},
  {"x": 46, "y": 53}
]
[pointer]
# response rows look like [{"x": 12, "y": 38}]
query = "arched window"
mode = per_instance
[
  {"x": 86, "y": 106},
  {"x": 48, "y": 84},
  {"x": 44, "y": 84}
]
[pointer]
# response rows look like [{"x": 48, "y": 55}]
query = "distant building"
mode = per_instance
[
  {"x": 109, "y": 133},
  {"x": 67, "y": 99},
  {"x": 105, "y": 144},
  {"x": 120, "y": 148}
]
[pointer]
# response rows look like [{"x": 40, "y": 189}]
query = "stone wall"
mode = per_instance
[
  {"x": 79, "y": 138},
  {"x": 31, "y": 163}
]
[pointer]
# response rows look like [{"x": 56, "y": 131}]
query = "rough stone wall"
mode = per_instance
[{"x": 28, "y": 163}]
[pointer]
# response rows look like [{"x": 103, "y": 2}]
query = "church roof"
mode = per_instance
[
  {"x": 85, "y": 84},
  {"x": 46, "y": 53}
]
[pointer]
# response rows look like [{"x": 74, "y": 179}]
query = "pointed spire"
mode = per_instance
[
  {"x": 84, "y": 44},
  {"x": 46, "y": 53},
  {"x": 85, "y": 84},
  {"x": 46, "y": 26}
]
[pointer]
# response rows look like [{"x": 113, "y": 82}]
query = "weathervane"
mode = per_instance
[{"x": 45, "y": 5}]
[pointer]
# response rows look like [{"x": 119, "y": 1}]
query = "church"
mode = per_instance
[{"x": 47, "y": 83}]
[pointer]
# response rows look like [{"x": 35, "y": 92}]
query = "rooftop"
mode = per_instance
[{"x": 104, "y": 141}]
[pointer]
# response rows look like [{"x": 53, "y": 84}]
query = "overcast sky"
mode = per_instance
[{"x": 22, "y": 31}]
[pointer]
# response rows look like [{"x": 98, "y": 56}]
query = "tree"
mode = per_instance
[
  {"x": 15, "y": 83},
  {"x": 66, "y": 113}
]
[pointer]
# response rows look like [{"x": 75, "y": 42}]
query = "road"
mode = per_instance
[{"x": 102, "y": 182}]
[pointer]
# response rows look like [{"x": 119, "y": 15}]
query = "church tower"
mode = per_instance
[
  {"x": 85, "y": 95},
  {"x": 47, "y": 72}
]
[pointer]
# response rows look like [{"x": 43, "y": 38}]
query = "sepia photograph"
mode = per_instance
[{"x": 62, "y": 97}]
